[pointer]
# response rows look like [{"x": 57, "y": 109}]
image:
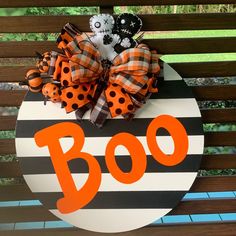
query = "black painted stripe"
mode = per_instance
[
  {"x": 43, "y": 165},
  {"x": 167, "y": 89},
  {"x": 122, "y": 200},
  {"x": 172, "y": 89},
  {"x": 138, "y": 127}
]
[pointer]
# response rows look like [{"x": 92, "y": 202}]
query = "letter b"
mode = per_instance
[{"x": 73, "y": 199}]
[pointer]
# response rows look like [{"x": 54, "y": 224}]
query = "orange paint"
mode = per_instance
[
  {"x": 137, "y": 154},
  {"x": 73, "y": 199},
  {"x": 177, "y": 132}
]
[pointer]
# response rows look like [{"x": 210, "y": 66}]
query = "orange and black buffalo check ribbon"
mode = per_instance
[{"x": 108, "y": 89}]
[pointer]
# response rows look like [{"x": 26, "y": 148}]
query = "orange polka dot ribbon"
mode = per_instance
[
  {"x": 68, "y": 32},
  {"x": 128, "y": 77},
  {"x": 108, "y": 89}
]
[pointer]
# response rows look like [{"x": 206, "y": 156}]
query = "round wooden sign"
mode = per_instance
[{"x": 124, "y": 176}]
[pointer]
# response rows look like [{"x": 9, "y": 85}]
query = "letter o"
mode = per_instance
[
  {"x": 177, "y": 132},
  {"x": 137, "y": 153}
]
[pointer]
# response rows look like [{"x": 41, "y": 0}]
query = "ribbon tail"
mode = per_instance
[
  {"x": 79, "y": 113},
  {"x": 100, "y": 112},
  {"x": 68, "y": 33},
  {"x": 118, "y": 100}
]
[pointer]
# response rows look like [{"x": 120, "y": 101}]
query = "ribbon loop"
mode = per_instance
[
  {"x": 118, "y": 100},
  {"x": 84, "y": 60},
  {"x": 117, "y": 88},
  {"x": 130, "y": 69}
]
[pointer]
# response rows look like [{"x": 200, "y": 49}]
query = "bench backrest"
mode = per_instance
[{"x": 15, "y": 189}]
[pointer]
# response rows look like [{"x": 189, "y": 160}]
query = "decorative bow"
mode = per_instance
[{"x": 108, "y": 89}]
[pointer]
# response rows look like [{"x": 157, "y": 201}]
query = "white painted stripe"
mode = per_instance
[
  {"x": 153, "y": 108},
  {"x": 170, "y": 74},
  {"x": 26, "y": 147},
  {"x": 111, "y": 220},
  {"x": 169, "y": 181}
]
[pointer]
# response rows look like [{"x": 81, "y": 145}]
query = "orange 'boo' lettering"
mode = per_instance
[
  {"x": 73, "y": 199},
  {"x": 177, "y": 132},
  {"x": 137, "y": 153}
]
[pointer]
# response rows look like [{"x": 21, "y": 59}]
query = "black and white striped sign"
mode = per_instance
[{"x": 117, "y": 207}]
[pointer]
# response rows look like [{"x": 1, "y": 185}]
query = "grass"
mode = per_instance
[
  {"x": 191, "y": 34},
  {"x": 7, "y": 134},
  {"x": 203, "y": 57},
  {"x": 213, "y": 57}
]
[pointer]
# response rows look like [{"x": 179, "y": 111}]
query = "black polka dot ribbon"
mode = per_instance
[
  {"x": 117, "y": 88},
  {"x": 126, "y": 87}
]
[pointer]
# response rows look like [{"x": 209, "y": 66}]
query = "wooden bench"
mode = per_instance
[{"x": 161, "y": 22}]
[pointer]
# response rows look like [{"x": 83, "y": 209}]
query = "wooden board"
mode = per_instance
[
  {"x": 220, "y": 138},
  {"x": 163, "y": 46},
  {"x": 106, "y": 3},
  {"x": 44, "y": 24},
  {"x": 202, "y": 184},
  {"x": 39, "y": 213},
  {"x": 210, "y": 229},
  {"x": 209, "y": 162},
  {"x": 7, "y": 146},
  {"x": 205, "y": 69},
  {"x": 218, "y": 161},
  {"x": 225, "y": 92},
  {"x": 219, "y": 115},
  {"x": 23, "y": 49},
  {"x": 7, "y": 122},
  {"x": 186, "y": 70}
]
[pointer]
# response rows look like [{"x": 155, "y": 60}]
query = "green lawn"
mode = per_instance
[
  {"x": 199, "y": 57},
  {"x": 195, "y": 34},
  {"x": 192, "y": 34}
]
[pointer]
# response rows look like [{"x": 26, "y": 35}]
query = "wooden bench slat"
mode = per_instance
[
  {"x": 7, "y": 146},
  {"x": 7, "y": 122},
  {"x": 220, "y": 138},
  {"x": 25, "y": 214},
  {"x": 205, "y": 207},
  {"x": 208, "y": 116},
  {"x": 224, "y": 92},
  {"x": 193, "y": 229},
  {"x": 106, "y": 3},
  {"x": 218, "y": 161},
  {"x": 25, "y": 48},
  {"x": 226, "y": 115},
  {"x": 205, "y": 69},
  {"x": 45, "y": 24},
  {"x": 15, "y": 192},
  {"x": 209, "y": 162},
  {"x": 14, "y": 73},
  {"x": 11, "y": 98},
  {"x": 193, "y": 45},
  {"x": 166, "y": 22},
  {"x": 186, "y": 70},
  {"x": 202, "y": 184},
  {"x": 10, "y": 170},
  {"x": 163, "y": 46},
  {"x": 218, "y": 115},
  {"x": 40, "y": 213},
  {"x": 214, "y": 184}
]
